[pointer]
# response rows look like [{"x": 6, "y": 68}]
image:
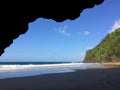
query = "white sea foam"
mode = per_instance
[{"x": 7, "y": 71}]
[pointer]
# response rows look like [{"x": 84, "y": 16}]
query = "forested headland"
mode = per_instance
[{"x": 108, "y": 50}]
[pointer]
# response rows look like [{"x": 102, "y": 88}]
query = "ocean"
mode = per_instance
[{"x": 22, "y": 69}]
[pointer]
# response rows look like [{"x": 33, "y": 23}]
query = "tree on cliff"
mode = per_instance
[{"x": 108, "y": 50}]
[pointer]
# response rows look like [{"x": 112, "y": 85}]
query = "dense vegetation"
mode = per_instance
[{"x": 108, "y": 50}]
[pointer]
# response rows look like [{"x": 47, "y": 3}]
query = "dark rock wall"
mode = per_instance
[{"x": 15, "y": 16}]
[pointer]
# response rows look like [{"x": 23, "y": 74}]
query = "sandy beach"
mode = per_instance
[{"x": 90, "y": 79}]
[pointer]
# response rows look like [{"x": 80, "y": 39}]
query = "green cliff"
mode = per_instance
[{"x": 108, "y": 50}]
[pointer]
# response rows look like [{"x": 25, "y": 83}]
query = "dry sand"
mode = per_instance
[{"x": 90, "y": 79}]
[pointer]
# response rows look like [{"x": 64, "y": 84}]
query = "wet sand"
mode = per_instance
[{"x": 105, "y": 78}]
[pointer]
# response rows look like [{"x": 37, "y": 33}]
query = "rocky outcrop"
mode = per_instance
[{"x": 16, "y": 15}]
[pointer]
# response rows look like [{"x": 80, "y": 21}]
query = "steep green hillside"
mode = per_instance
[{"x": 108, "y": 50}]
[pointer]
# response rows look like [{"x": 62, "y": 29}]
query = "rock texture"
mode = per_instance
[{"x": 16, "y": 15}]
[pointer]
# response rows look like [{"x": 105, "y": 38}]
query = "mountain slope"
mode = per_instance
[{"x": 108, "y": 50}]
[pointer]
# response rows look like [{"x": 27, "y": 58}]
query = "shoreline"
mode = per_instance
[
  {"x": 111, "y": 65},
  {"x": 11, "y": 71},
  {"x": 90, "y": 79}
]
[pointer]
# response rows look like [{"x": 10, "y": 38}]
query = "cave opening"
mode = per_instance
[{"x": 48, "y": 40}]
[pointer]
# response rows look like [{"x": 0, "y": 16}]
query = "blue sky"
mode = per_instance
[{"x": 47, "y": 40}]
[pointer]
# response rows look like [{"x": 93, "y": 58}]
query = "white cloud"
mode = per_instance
[
  {"x": 86, "y": 33},
  {"x": 82, "y": 53},
  {"x": 88, "y": 48},
  {"x": 115, "y": 26},
  {"x": 62, "y": 30}
]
